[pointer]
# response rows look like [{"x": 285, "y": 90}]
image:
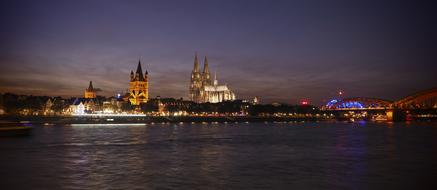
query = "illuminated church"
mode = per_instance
[
  {"x": 90, "y": 92},
  {"x": 138, "y": 86},
  {"x": 202, "y": 89}
]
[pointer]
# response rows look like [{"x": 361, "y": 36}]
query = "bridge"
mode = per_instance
[
  {"x": 358, "y": 103},
  {"x": 420, "y": 100},
  {"x": 423, "y": 99},
  {"x": 402, "y": 108}
]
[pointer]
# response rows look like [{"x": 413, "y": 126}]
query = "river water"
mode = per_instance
[{"x": 307, "y": 155}]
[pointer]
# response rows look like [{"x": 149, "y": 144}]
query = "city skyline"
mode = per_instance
[{"x": 280, "y": 52}]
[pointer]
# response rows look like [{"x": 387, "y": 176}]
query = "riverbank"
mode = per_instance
[
  {"x": 168, "y": 119},
  {"x": 151, "y": 119}
]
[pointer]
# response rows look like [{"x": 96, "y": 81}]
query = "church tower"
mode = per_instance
[
  {"x": 90, "y": 92},
  {"x": 196, "y": 81},
  {"x": 206, "y": 76},
  {"x": 138, "y": 86}
]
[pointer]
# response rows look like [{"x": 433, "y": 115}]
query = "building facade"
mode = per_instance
[
  {"x": 90, "y": 92},
  {"x": 203, "y": 89},
  {"x": 138, "y": 86}
]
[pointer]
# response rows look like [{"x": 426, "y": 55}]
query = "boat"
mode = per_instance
[{"x": 15, "y": 131}]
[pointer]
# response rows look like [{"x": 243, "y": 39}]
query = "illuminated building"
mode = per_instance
[
  {"x": 85, "y": 105},
  {"x": 255, "y": 100},
  {"x": 48, "y": 107},
  {"x": 77, "y": 108},
  {"x": 90, "y": 92},
  {"x": 2, "y": 110},
  {"x": 196, "y": 81},
  {"x": 80, "y": 109},
  {"x": 161, "y": 106},
  {"x": 202, "y": 89},
  {"x": 108, "y": 107},
  {"x": 138, "y": 86}
]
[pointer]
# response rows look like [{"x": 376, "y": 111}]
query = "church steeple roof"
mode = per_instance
[
  {"x": 196, "y": 64},
  {"x": 90, "y": 87},
  {"x": 140, "y": 71},
  {"x": 205, "y": 66}
]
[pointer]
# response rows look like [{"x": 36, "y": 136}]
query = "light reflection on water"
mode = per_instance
[
  {"x": 107, "y": 124},
  {"x": 310, "y": 155}
]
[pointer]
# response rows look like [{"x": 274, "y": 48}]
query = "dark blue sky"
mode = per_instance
[{"x": 277, "y": 50}]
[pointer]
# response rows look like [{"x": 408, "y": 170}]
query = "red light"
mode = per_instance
[{"x": 304, "y": 102}]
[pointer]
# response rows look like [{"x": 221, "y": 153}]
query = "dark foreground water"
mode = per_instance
[{"x": 223, "y": 156}]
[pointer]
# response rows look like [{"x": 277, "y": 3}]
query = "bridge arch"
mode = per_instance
[
  {"x": 423, "y": 99},
  {"x": 358, "y": 103}
]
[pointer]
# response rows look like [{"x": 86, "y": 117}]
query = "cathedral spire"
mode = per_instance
[
  {"x": 205, "y": 66},
  {"x": 196, "y": 64}
]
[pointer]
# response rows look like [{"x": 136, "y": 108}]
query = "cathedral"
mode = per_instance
[
  {"x": 138, "y": 86},
  {"x": 203, "y": 89}
]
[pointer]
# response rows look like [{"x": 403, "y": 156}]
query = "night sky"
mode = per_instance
[{"x": 278, "y": 50}]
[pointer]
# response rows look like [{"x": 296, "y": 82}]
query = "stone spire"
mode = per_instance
[
  {"x": 139, "y": 72},
  {"x": 206, "y": 77},
  {"x": 196, "y": 64},
  {"x": 90, "y": 87},
  {"x": 205, "y": 66}
]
